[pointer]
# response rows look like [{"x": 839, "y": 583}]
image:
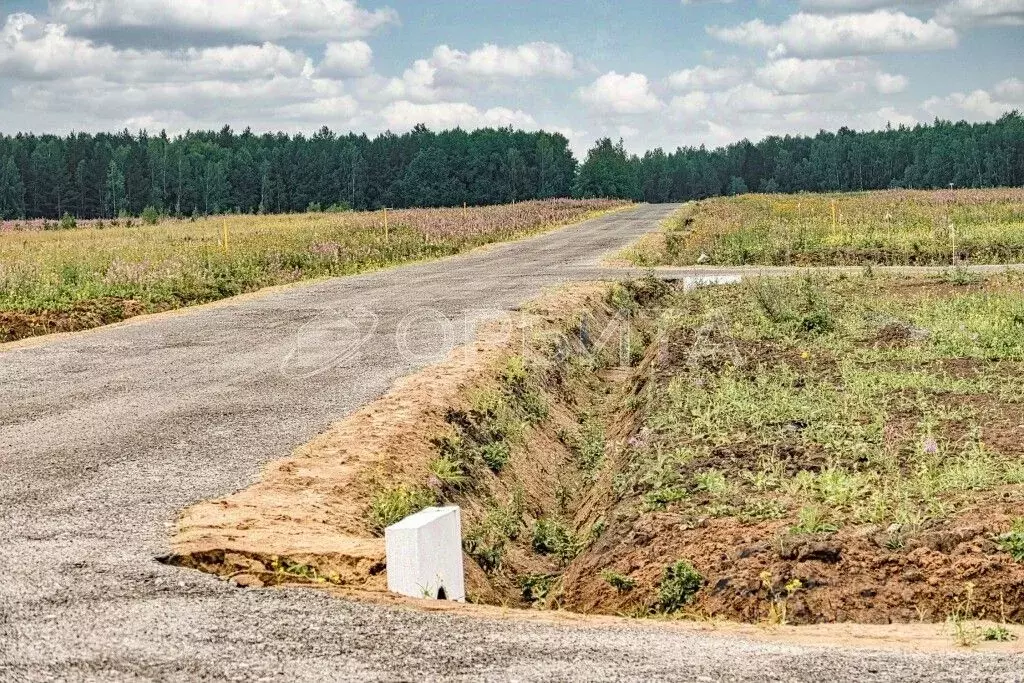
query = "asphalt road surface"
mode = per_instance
[{"x": 106, "y": 435}]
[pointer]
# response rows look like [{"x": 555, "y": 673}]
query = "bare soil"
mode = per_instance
[
  {"x": 15, "y": 325},
  {"x": 306, "y": 520}
]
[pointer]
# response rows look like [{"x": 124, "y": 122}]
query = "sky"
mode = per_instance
[{"x": 656, "y": 73}]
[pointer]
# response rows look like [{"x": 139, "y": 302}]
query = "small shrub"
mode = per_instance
[
  {"x": 678, "y": 587},
  {"x": 339, "y": 207},
  {"x": 395, "y": 504},
  {"x": 485, "y": 546},
  {"x": 150, "y": 216},
  {"x": 486, "y": 541},
  {"x": 960, "y": 277},
  {"x": 314, "y": 207},
  {"x": 517, "y": 382},
  {"x": 620, "y": 582},
  {"x": 588, "y": 445},
  {"x": 1012, "y": 542},
  {"x": 496, "y": 455},
  {"x": 550, "y": 537},
  {"x": 536, "y": 586},
  {"x": 999, "y": 634},
  {"x": 450, "y": 472},
  {"x": 67, "y": 222},
  {"x": 662, "y": 498},
  {"x": 761, "y": 510},
  {"x": 812, "y": 520},
  {"x": 713, "y": 482}
]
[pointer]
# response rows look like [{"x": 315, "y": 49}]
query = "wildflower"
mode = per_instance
[
  {"x": 930, "y": 446},
  {"x": 328, "y": 249}
]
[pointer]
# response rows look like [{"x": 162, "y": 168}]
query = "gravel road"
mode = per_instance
[{"x": 106, "y": 435}]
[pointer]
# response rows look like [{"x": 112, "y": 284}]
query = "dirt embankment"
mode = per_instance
[
  {"x": 511, "y": 428},
  {"x": 535, "y": 431},
  {"x": 15, "y": 325}
]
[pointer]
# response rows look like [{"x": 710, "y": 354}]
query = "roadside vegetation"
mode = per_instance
[
  {"x": 823, "y": 449},
  {"x": 899, "y": 227},
  {"x": 787, "y": 450},
  {"x": 88, "y": 276},
  {"x": 781, "y": 451}
]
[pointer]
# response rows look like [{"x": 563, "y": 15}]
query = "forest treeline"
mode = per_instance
[{"x": 105, "y": 175}]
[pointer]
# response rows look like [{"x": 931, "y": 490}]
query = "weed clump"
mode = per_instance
[
  {"x": 551, "y": 537},
  {"x": 536, "y": 587},
  {"x": 620, "y": 582},
  {"x": 679, "y": 585},
  {"x": 1012, "y": 542},
  {"x": 395, "y": 504},
  {"x": 486, "y": 541}
]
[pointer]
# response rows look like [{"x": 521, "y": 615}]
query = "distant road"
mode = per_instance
[{"x": 106, "y": 435}]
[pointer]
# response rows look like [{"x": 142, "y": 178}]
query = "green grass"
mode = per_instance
[
  {"x": 395, "y": 504},
  {"x": 179, "y": 262},
  {"x": 887, "y": 414},
  {"x": 885, "y": 228},
  {"x": 553, "y": 537}
]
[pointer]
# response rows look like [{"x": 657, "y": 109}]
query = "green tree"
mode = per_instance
[
  {"x": 115, "y": 189},
  {"x": 608, "y": 172},
  {"x": 12, "y": 190}
]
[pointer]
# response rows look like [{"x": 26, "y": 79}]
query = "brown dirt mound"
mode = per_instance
[
  {"x": 306, "y": 520},
  {"x": 85, "y": 315},
  {"x": 850, "y": 576}
]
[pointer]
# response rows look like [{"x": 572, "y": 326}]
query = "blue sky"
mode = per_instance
[{"x": 656, "y": 73}]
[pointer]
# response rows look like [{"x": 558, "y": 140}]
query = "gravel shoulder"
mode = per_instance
[{"x": 106, "y": 435}]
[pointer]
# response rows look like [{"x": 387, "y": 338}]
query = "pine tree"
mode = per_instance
[{"x": 12, "y": 190}]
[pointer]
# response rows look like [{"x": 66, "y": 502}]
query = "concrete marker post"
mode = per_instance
[{"x": 424, "y": 555}]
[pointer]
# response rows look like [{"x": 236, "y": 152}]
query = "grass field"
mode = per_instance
[
  {"x": 59, "y": 280},
  {"x": 895, "y": 227},
  {"x": 826, "y": 450}
]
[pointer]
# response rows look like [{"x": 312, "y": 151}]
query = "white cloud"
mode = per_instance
[
  {"x": 491, "y": 62},
  {"x": 616, "y": 93},
  {"x": 982, "y": 12},
  {"x": 979, "y": 105},
  {"x": 250, "y": 19},
  {"x": 792, "y": 75},
  {"x": 33, "y": 50},
  {"x": 1010, "y": 90},
  {"x": 340, "y": 107},
  {"x": 817, "y": 35},
  {"x": 449, "y": 73},
  {"x": 59, "y": 77},
  {"x": 403, "y": 115},
  {"x": 30, "y": 48},
  {"x": 750, "y": 97},
  {"x": 692, "y": 104},
  {"x": 890, "y": 84},
  {"x": 705, "y": 78},
  {"x": 346, "y": 59}
]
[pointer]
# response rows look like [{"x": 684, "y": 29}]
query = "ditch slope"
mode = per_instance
[{"x": 777, "y": 452}]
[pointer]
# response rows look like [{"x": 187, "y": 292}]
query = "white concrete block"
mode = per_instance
[
  {"x": 709, "y": 281},
  {"x": 424, "y": 555}
]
